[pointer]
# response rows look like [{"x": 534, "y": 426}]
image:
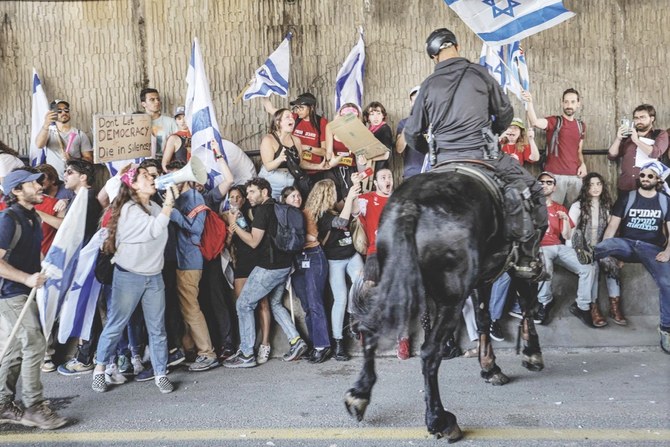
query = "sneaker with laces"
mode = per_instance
[
  {"x": 403, "y": 348},
  {"x": 515, "y": 313},
  {"x": 145, "y": 375},
  {"x": 542, "y": 314},
  {"x": 176, "y": 357},
  {"x": 137, "y": 365},
  {"x": 203, "y": 363},
  {"x": 74, "y": 367},
  {"x": 42, "y": 416},
  {"x": 263, "y": 354},
  {"x": 164, "y": 385},
  {"x": 10, "y": 413},
  {"x": 225, "y": 353},
  {"x": 496, "y": 331},
  {"x": 99, "y": 383},
  {"x": 583, "y": 315},
  {"x": 239, "y": 360},
  {"x": 295, "y": 351},
  {"x": 124, "y": 365},
  {"x": 665, "y": 340},
  {"x": 113, "y": 376}
]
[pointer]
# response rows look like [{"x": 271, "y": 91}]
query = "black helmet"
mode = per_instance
[{"x": 437, "y": 40}]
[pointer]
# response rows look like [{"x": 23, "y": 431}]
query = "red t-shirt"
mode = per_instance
[
  {"x": 48, "y": 232},
  {"x": 567, "y": 162},
  {"x": 521, "y": 157},
  {"x": 371, "y": 205},
  {"x": 553, "y": 234},
  {"x": 308, "y": 136}
]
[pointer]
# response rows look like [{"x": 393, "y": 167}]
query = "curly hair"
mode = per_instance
[
  {"x": 584, "y": 199},
  {"x": 126, "y": 194},
  {"x": 321, "y": 199}
]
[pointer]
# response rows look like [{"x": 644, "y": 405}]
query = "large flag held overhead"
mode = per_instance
[
  {"x": 272, "y": 76},
  {"x": 201, "y": 117},
  {"x": 60, "y": 263},
  {"x": 349, "y": 82},
  {"x": 507, "y": 65},
  {"x": 499, "y": 22},
  {"x": 79, "y": 306},
  {"x": 39, "y": 110}
]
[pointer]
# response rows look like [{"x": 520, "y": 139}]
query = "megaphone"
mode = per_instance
[{"x": 194, "y": 171}]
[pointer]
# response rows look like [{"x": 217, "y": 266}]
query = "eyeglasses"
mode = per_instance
[
  {"x": 649, "y": 176},
  {"x": 63, "y": 111},
  {"x": 546, "y": 182}
]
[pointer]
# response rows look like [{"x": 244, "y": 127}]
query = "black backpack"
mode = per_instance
[{"x": 290, "y": 236}]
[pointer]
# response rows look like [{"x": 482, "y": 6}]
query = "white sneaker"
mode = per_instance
[
  {"x": 113, "y": 376},
  {"x": 138, "y": 367},
  {"x": 263, "y": 354}
]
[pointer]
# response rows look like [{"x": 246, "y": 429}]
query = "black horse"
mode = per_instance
[{"x": 440, "y": 239}]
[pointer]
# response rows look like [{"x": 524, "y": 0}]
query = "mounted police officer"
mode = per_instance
[{"x": 459, "y": 109}]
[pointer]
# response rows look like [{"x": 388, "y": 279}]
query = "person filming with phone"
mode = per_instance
[{"x": 635, "y": 144}]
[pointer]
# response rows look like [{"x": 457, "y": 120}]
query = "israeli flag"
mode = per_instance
[
  {"x": 499, "y": 22},
  {"x": 40, "y": 108},
  {"x": 272, "y": 76},
  {"x": 201, "y": 117},
  {"x": 60, "y": 263},
  {"x": 518, "y": 70},
  {"x": 79, "y": 306},
  {"x": 349, "y": 82},
  {"x": 507, "y": 65},
  {"x": 493, "y": 59}
]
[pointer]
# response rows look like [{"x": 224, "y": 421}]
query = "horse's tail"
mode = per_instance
[{"x": 399, "y": 294}]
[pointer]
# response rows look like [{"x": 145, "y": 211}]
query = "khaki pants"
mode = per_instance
[
  {"x": 188, "y": 282},
  {"x": 25, "y": 354}
]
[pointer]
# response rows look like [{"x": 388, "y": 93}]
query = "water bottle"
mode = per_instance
[{"x": 240, "y": 221}]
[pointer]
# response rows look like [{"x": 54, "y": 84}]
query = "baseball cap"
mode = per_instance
[
  {"x": 518, "y": 122},
  {"x": 414, "y": 90},
  {"x": 304, "y": 99},
  {"x": 179, "y": 110},
  {"x": 55, "y": 102},
  {"x": 18, "y": 177},
  {"x": 548, "y": 174}
]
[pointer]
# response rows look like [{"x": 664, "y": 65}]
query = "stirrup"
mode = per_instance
[{"x": 533, "y": 271}]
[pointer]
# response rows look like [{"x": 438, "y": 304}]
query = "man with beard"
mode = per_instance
[
  {"x": 565, "y": 138},
  {"x": 20, "y": 236},
  {"x": 63, "y": 142},
  {"x": 653, "y": 142},
  {"x": 643, "y": 219}
]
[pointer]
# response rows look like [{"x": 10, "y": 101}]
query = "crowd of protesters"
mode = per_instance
[{"x": 167, "y": 305}]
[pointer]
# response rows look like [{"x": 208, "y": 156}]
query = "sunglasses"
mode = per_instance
[
  {"x": 63, "y": 111},
  {"x": 649, "y": 176},
  {"x": 546, "y": 182}
]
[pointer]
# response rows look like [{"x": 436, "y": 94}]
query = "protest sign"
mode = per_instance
[
  {"x": 354, "y": 135},
  {"x": 121, "y": 137}
]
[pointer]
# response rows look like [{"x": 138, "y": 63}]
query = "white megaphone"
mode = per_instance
[{"x": 194, "y": 171}]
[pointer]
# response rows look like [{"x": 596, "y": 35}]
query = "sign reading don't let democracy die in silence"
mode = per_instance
[{"x": 121, "y": 137}]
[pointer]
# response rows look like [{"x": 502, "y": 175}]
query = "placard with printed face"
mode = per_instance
[{"x": 121, "y": 137}]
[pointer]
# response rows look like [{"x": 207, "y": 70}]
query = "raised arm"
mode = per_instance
[{"x": 533, "y": 120}]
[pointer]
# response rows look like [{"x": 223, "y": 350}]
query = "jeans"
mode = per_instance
[
  {"x": 132, "y": 337},
  {"x": 613, "y": 287},
  {"x": 499, "y": 293},
  {"x": 337, "y": 271},
  {"x": 309, "y": 282},
  {"x": 129, "y": 289},
  {"x": 278, "y": 178},
  {"x": 174, "y": 322},
  {"x": 260, "y": 283},
  {"x": 566, "y": 257},
  {"x": 25, "y": 355},
  {"x": 629, "y": 250}
]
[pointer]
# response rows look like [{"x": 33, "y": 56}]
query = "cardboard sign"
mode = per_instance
[
  {"x": 358, "y": 138},
  {"x": 121, "y": 137}
]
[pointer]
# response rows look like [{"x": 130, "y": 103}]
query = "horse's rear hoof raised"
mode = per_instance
[
  {"x": 533, "y": 362},
  {"x": 355, "y": 405}
]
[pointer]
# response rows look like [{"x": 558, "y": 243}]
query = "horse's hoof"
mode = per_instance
[
  {"x": 533, "y": 362},
  {"x": 498, "y": 379},
  {"x": 356, "y": 406},
  {"x": 453, "y": 435}
]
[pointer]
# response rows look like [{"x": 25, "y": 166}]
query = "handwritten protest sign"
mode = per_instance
[
  {"x": 358, "y": 138},
  {"x": 121, "y": 137}
]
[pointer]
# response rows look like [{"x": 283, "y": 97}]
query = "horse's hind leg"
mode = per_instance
[
  {"x": 490, "y": 371},
  {"x": 356, "y": 399},
  {"x": 532, "y": 354},
  {"x": 439, "y": 422}
]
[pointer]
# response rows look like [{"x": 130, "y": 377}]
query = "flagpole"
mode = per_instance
[
  {"x": 15, "y": 329},
  {"x": 246, "y": 87}
]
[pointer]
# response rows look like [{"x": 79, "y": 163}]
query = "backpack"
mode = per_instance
[
  {"x": 553, "y": 145},
  {"x": 213, "y": 236},
  {"x": 290, "y": 236},
  {"x": 15, "y": 239}
]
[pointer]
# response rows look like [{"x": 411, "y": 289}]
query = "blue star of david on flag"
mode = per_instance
[{"x": 498, "y": 10}]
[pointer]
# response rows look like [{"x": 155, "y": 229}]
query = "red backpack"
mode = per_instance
[{"x": 213, "y": 236}]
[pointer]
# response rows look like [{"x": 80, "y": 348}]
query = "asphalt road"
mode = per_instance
[{"x": 585, "y": 397}]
